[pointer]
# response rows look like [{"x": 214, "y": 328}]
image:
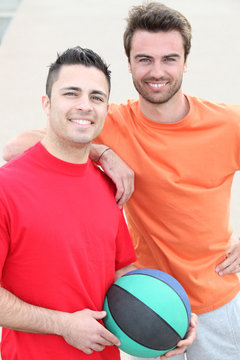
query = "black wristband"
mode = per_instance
[{"x": 108, "y": 148}]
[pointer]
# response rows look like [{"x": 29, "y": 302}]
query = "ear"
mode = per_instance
[
  {"x": 185, "y": 67},
  {"x": 129, "y": 67},
  {"x": 46, "y": 104}
]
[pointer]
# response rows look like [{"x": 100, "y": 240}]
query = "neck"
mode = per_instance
[
  {"x": 172, "y": 111},
  {"x": 71, "y": 153}
]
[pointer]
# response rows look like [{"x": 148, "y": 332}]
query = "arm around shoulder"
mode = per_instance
[
  {"x": 22, "y": 142},
  {"x": 120, "y": 173}
]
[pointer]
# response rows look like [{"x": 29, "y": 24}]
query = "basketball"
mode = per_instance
[{"x": 149, "y": 312}]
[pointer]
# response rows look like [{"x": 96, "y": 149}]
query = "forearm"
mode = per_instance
[
  {"x": 120, "y": 173},
  {"x": 18, "y": 315},
  {"x": 80, "y": 329},
  {"x": 22, "y": 142},
  {"x": 124, "y": 270}
]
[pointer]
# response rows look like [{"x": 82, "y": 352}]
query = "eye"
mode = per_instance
[
  {"x": 97, "y": 98},
  {"x": 69, "y": 93},
  {"x": 169, "y": 59},
  {"x": 144, "y": 60}
]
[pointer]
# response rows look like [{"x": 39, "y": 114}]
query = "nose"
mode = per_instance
[
  {"x": 84, "y": 104},
  {"x": 157, "y": 70}
]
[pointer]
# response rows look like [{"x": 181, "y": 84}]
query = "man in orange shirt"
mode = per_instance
[{"x": 184, "y": 152}]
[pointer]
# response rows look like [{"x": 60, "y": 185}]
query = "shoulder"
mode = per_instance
[
  {"x": 215, "y": 112},
  {"x": 118, "y": 121},
  {"x": 103, "y": 186},
  {"x": 101, "y": 177},
  {"x": 116, "y": 110},
  {"x": 15, "y": 167},
  {"x": 214, "y": 107},
  {"x": 118, "y": 115}
]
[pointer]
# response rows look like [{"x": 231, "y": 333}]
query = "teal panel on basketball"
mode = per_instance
[
  {"x": 161, "y": 298},
  {"x": 149, "y": 311}
]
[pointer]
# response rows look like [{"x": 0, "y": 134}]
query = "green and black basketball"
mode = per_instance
[{"x": 149, "y": 311}]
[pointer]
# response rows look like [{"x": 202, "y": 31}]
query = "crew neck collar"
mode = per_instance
[
  {"x": 55, "y": 164},
  {"x": 160, "y": 125}
]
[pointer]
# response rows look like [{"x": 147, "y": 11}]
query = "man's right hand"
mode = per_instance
[{"x": 83, "y": 331}]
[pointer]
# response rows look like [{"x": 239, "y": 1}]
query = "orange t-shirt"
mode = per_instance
[{"x": 178, "y": 215}]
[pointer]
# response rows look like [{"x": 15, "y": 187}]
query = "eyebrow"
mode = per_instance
[
  {"x": 150, "y": 57},
  {"x": 142, "y": 55},
  {"x": 76, "y": 88},
  {"x": 172, "y": 55}
]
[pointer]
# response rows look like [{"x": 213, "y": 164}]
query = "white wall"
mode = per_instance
[{"x": 41, "y": 28}]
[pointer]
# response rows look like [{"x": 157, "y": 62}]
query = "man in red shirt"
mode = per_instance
[{"x": 63, "y": 239}]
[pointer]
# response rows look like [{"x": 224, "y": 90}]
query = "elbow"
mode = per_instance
[{"x": 8, "y": 153}]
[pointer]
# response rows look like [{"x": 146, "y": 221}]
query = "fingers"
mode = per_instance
[
  {"x": 86, "y": 350},
  {"x": 125, "y": 188},
  {"x": 98, "y": 347},
  {"x": 100, "y": 343},
  {"x": 105, "y": 342},
  {"x": 107, "y": 338},
  {"x": 98, "y": 314},
  {"x": 94, "y": 347},
  {"x": 233, "y": 268},
  {"x": 176, "y": 351},
  {"x": 191, "y": 335},
  {"x": 121, "y": 174},
  {"x": 231, "y": 263},
  {"x": 110, "y": 339},
  {"x": 194, "y": 320},
  {"x": 183, "y": 344},
  {"x": 84, "y": 331},
  {"x": 119, "y": 196}
]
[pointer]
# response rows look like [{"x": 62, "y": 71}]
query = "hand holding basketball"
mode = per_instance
[
  {"x": 83, "y": 331},
  {"x": 187, "y": 341}
]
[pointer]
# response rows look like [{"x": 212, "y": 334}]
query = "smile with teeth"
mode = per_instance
[
  {"x": 81, "y": 122},
  {"x": 156, "y": 86}
]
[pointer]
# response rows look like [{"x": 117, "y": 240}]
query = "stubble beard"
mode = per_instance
[{"x": 157, "y": 98}]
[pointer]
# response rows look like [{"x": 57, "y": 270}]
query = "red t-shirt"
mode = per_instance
[{"x": 62, "y": 237}]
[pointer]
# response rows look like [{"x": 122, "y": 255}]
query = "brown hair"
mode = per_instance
[
  {"x": 75, "y": 56},
  {"x": 156, "y": 17}
]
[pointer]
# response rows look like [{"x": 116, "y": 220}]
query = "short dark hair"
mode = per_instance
[
  {"x": 154, "y": 17},
  {"x": 76, "y": 56}
]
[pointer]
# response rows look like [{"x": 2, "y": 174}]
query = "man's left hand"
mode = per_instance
[
  {"x": 183, "y": 344},
  {"x": 231, "y": 264}
]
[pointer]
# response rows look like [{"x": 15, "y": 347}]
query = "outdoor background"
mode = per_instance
[
  {"x": 33, "y": 31},
  {"x": 41, "y": 28}
]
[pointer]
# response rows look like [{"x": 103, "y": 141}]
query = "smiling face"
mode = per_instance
[
  {"x": 157, "y": 65},
  {"x": 77, "y": 108}
]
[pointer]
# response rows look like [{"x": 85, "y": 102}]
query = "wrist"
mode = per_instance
[
  {"x": 103, "y": 153},
  {"x": 60, "y": 323},
  {"x": 96, "y": 151}
]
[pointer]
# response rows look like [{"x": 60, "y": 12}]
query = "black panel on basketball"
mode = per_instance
[{"x": 131, "y": 323}]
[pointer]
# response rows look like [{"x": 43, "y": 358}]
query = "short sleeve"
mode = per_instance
[
  {"x": 4, "y": 237},
  {"x": 125, "y": 254}
]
